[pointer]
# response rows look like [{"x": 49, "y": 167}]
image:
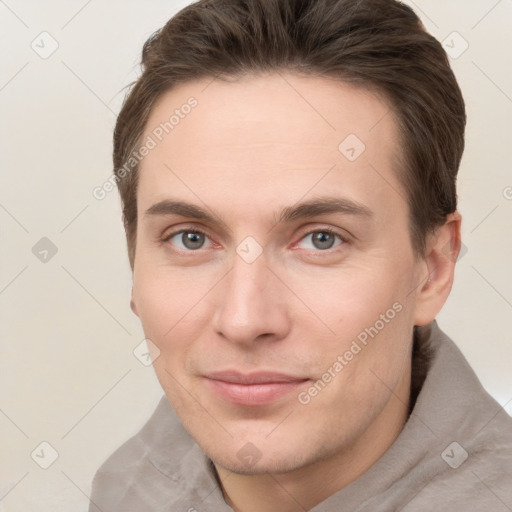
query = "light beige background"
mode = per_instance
[{"x": 68, "y": 375}]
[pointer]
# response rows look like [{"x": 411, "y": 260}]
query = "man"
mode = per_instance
[{"x": 287, "y": 170}]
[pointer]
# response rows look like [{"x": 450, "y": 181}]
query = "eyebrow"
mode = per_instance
[
  {"x": 169, "y": 207},
  {"x": 322, "y": 206},
  {"x": 304, "y": 210}
]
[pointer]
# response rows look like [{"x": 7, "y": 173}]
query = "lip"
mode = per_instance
[{"x": 254, "y": 389}]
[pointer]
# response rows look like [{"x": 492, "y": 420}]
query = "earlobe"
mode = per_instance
[
  {"x": 133, "y": 307},
  {"x": 441, "y": 255}
]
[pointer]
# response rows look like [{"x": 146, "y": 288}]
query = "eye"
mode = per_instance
[
  {"x": 321, "y": 239},
  {"x": 189, "y": 240}
]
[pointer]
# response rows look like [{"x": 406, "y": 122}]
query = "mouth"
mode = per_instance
[{"x": 255, "y": 389}]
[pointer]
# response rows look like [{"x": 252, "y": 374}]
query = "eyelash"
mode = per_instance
[{"x": 329, "y": 231}]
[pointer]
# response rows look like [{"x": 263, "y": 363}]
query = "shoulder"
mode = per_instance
[
  {"x": 477, "y": 472},
  {"x": 469, "y": 459},
  {"x": 132, "y": 479}
]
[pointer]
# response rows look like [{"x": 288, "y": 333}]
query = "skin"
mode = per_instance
[{"x": 251, "y": 148}]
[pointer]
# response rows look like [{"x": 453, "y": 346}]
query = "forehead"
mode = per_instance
[{"x": 275, "y": 137}]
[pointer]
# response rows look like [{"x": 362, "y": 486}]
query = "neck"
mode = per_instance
[{"x": 305, "y": 487}]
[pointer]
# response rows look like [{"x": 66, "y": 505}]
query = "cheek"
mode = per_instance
[
  {"x": 168, "y": 313},
  {"x": 348, "y": 300},
  {"x": 369, "y": 314},
  {"x": 167, "y": 299},
  {"x": 173, "y": 307},
  {"x": 360, "y": 372}
]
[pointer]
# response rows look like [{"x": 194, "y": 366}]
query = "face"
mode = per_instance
[{"x": 274, "y": 270}]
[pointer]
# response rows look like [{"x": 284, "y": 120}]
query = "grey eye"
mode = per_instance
[
  {"x": 321, "y": 240},
  {"x": 189, "y": 240},
  {"x": 192, "y": 240}
]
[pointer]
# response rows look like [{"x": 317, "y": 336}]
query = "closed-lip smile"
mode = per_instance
[{"x": 252, "y": 389}]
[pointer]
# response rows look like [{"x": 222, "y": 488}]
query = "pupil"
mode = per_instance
[
  {"x": 323, "y": 240},
  {"x": 193, "y": 240}
]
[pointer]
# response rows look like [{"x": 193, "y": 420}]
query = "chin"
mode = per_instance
[{"x": 248, "y": 460}]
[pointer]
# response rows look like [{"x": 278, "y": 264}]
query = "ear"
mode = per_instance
[
  {"x": 438, "y": 269},
  {"x": 132, "y": 304}
]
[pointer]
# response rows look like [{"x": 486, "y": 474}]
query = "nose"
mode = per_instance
[{"x": 251, "y": 304}]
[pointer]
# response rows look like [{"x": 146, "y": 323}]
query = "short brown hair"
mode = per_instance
[{"x": 378, "y": 44}]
